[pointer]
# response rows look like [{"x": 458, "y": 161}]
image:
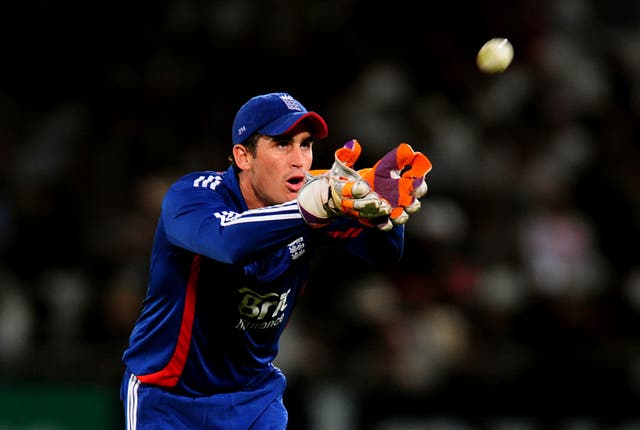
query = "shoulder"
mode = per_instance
[
  {"x": 207, "y": 179},
  {"x": 201, "y": 186}
]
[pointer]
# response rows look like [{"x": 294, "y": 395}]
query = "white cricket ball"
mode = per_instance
[{"x": 495, "y": 55}]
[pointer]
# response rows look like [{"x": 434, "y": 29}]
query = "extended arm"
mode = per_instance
[
  {"x": 370, "y": 244},
  {"x": 203, "y": 221}
]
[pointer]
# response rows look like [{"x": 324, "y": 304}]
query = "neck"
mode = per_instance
[{"x": 248, "y": 192}]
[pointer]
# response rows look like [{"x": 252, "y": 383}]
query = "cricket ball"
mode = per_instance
[{"x": 495, "y": 55}]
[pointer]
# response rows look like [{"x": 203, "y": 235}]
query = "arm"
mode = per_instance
[
  {"x": 203, "y": 221},
  {"x": 370, "y": 244},
  {"x": 205, "y": 217}
]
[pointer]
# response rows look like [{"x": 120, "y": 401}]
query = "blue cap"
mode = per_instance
[{"x": 274, "y": 114}]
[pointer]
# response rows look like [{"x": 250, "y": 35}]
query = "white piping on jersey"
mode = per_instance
[
  {"x": 283, "y": 211},
  {"x": 132, "y": 402}
]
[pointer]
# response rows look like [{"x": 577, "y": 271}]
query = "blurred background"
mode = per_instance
[{"x": 517, "y": 302}]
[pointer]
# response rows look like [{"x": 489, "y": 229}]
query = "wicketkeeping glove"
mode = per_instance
[
  {"x": 340, "y": 191},
  {"x": 399, "y": 177}
]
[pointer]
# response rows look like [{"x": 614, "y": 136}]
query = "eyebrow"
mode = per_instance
[{"x": 287, "y": 138}]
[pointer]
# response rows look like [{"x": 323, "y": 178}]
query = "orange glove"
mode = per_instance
[
  {"x": 399, "y": 177},
  {"x": 341, "y": 191}
]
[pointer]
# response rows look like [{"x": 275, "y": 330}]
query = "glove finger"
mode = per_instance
[
  {"x": 413, "y": 207},
  {"x": 346, "y": 158},
  {"x": 421, "y": 190},
  {"x": 386, "y": 225},
  {"x": 360, "y": 189},
  {"x": 408, "y": 198},
  {"x": 412, "y": 185},
  {"x": 399, "y": 216},
  {"x": 404, "y": 156},
  {"x": 418, "y": 166},
  {"x": 371, "y": 207},
  {"x": 350, "y": 189},
  {"x": 349, "y": 153},
  {"x": 405, "y": 192}
]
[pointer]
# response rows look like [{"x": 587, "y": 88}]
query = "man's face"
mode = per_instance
[{"x": 277, "y": 172}]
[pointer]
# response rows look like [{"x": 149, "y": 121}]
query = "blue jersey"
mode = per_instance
[{"x": 224, "y": 281}]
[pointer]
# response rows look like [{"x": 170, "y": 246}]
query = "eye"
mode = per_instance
[{"x": 307, "y": 143}]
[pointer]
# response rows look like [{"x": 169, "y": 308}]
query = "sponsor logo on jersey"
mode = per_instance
[
  {"x": 351, "y": 232},
  {"x": 261, "y": 311},
  {"x": 296, "y": 248}
]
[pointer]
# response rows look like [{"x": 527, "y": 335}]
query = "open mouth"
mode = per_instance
[{"x": 295, "y": 183}]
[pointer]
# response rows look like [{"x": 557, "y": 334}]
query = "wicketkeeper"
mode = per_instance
[{"x": 231, "y": 254}]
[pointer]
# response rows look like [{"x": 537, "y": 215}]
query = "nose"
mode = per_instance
[{"x": 297, "y": 157}]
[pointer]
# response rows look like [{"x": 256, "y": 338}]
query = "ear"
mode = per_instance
[{"x": 242, "y": 157}]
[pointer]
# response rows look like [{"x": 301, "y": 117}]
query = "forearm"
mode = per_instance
[{"x": 368, "y": 243}]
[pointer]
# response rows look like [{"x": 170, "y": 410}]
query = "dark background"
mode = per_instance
[{"x": 516, "y": 304}]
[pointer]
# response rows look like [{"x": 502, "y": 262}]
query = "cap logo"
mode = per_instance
[
  {"x": 290, "y": 102},
  {"x": 242, "y": 130}
]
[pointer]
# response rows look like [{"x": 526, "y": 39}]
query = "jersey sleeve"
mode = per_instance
[
  {"x": 368, "y": 243},
  {"x": 205, "y": 221}
]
